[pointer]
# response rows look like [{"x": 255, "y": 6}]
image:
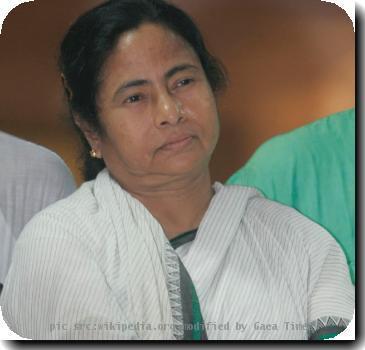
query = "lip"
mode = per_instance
[{"x": 177, "y": 143}]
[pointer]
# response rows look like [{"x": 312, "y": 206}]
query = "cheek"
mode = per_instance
[
  {"x": 215, "y": 131},
  {"x": 212, "y": 126},
  {"x": 136, "y": 146},
  {"x": 204, "y": 112},
  {"x": 126, "y": 140}
]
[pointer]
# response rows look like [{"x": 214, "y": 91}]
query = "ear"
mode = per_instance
[{"x": 91, "y": 135}]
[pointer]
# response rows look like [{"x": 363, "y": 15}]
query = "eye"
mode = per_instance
[
  {"x": 184, "y": 82},
  {"x": 133, "y": 99}
]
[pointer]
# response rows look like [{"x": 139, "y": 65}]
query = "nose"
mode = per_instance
[{"x": 169, "y": 111}]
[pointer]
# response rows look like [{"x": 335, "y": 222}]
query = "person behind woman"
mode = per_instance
[
  {"x": 32, "y": 177},
  {"x": 149, "y": 248},
  {"x": 302, "y": 168}
]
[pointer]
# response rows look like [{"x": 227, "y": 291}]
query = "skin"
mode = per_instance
[{"x": 159, "y": 125}]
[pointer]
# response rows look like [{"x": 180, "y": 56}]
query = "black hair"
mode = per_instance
[{"x": 91, "y": 39}]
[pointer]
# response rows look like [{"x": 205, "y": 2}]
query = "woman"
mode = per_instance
[{"x": 149, "y": 249}]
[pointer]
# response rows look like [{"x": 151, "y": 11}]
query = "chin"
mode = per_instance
[
  {"x": 191, "y": 159},
  {"x": 185, "y": 166}
]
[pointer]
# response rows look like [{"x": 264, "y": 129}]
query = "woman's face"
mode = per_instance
[{"x": 157, "y": 110}]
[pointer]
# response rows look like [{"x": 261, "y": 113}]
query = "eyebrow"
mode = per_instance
[
  {"x": 140, "y": 82},
  {"x": 178, "y": 69}
]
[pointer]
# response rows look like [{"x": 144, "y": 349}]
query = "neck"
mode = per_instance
[{"x": 178, "y": 206}]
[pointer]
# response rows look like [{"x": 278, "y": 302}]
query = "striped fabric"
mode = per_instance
[
  {"x": 97, "y": 265},
  {"x": 268, "y": 277},
  {"x": 31, "y": 178}
]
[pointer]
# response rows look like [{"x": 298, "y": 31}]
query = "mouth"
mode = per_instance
[{"x": 177, "y": 144}]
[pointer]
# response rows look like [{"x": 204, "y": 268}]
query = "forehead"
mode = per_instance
[{"x": 150, "y": 46}]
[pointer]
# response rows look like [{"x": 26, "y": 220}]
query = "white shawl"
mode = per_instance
[{"x": 97, "y": 265}]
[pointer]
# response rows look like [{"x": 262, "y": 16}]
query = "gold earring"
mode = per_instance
[{"x": 93, "y": 154}]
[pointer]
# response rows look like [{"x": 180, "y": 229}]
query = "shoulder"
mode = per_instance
[
  {"x": 330, "y": 127},
  {"x": 74, "y": 218},
  {"x": 267, "y": 161},
  {"x": 23, "y": 149},
  {"x": 271, "y": 217},
  {"x": 289, "y": 239},
  {"x": 76, "y": 225},
  {"x": 284, "y": 224},
  {"x": 279, "y": 158},
  {"x": 24, "y": 159},
  {"x": 284, "y": 239}
]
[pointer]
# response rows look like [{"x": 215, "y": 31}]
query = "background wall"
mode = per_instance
[{"x": 290, "y": 63}]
